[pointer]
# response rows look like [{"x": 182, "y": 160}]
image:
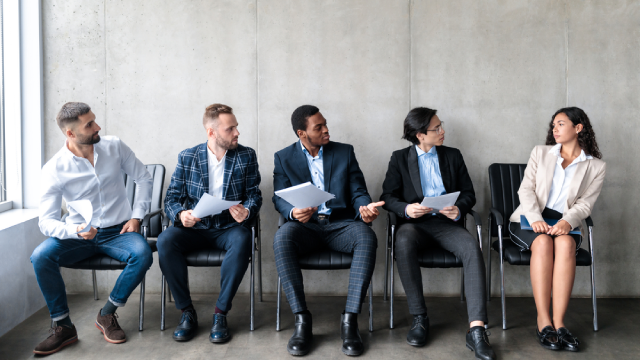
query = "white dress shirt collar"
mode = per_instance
[{"x": 555, "y": 150}]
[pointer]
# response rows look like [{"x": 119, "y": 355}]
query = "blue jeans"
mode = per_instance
[
  {"x": 175, "y": 242},
  {"x": 52, "y": 253}
]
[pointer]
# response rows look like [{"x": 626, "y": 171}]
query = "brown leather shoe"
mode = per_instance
[
  {"x": 109, "y": 326},
  {"x": 60, "y": 337}
]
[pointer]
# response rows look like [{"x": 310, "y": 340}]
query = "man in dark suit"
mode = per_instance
[
  {"x": 428, "y": 169},
  {"x": 226, "y": 170},
  {"x": 339, "y": 224}
]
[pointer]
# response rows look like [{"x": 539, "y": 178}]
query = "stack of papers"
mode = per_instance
[
  {"x": 305, "y": 195},
  {"x": 440, "y": 202}
]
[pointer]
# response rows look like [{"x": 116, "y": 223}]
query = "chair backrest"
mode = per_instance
[
  {"x": 504, "y": 182},
  {"x": 157, "y": 172}
]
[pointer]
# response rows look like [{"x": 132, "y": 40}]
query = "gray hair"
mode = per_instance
[{"x": 70, "y": 112}]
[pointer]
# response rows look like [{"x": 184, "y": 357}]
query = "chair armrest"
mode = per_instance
[
  {"x": 147, "y": 218},
  {"x": 393, "y": 218},
  {"x": 165, "y": 221},
  {"x": 589, "y": 221},
  {"x": 281, "y": 221},
  {"x": 252, "y": 222},
  {"x": 476, "y": 217},
  {"x": 498, "y": 215}
]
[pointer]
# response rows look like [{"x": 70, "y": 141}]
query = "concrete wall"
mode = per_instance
[
  {"x": 495, "y": 70},
  {"x": 20, "y": 296}
]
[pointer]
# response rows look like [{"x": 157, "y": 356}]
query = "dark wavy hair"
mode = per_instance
[
  {"x": 586, "y": 137},
  {"x": 417, "y": 121}
]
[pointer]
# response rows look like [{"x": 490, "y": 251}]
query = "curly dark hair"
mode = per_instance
[
  {"x": 586, "y": 137},
  {"x": 300, "y": 117}
]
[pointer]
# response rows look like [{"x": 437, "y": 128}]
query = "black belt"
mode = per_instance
[{"x": 323, "y": 217}]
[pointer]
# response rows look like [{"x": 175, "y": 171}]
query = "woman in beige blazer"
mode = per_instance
[{"x": 561, "y": 182}]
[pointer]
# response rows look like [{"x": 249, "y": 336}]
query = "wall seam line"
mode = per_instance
[
  {"x": 257, "y": 89},
  {"x": 104, "y": 34},
  {"x": 566, "y": 45},
  {"x": 410, "y": 53}
]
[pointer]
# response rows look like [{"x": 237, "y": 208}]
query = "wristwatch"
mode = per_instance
[{"x": 139, "y": 221}]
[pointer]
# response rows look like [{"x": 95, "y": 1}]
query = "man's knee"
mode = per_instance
[
  {"x": 166, "y": 240},
  {"x": 241, "y": 239},
  {"x": 407, "y": 237},
  {"x": 141, "y": 253},
  {"x": 367, "y": 237},
  {"x": 42, "y": 252},
  {"x": 284, "y": 238}
]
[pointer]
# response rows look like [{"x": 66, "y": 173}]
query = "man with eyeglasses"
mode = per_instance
[{"x": 429, "y": 169}]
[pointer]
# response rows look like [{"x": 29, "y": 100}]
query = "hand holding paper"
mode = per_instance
[
  {"x": 85, "y": 209},
  {"x": 440, "y": 202},
  {"x": 209, "y": 205},
  {"x": 304, "y": 196}
]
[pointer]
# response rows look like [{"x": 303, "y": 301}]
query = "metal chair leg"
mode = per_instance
[
  {"x": 371, "y": 306},
  {"x": 169, "y": 293},
  {"x": 252, "y": 290},
  {"x": 462, "y": 284},
  {"x": 52, "y": 323},
  {"x": 259, "y": 249},
  {"x": 95, "y": 285},
  {"x": 489, "y": 259},
  {"x": 386, "y": 274},
  {"x": 142, "y": 288},
  {"x": 392, "y": 276},
  {"x": 504, "y": 307},
  {"x": 593, "y": 281},
  {"x": 278, "y": 308},
  {"x": 163, "y": 303}
]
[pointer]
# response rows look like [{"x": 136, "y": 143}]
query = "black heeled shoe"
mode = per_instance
[
  {"x": 548, "y": 338},
  {"x": 567, "y": 340}
]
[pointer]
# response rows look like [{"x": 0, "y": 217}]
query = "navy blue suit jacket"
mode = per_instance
[{"x": 342, "y": 178}]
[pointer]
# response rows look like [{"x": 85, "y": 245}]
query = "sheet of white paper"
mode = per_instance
[
  {"x": 85, "y": 209},
  {"x": 305, "y": 195},
  {"x": 209, "y": 205},
  {"x": 439, "y": 202}
]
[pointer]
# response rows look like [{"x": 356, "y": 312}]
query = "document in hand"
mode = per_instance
[
  {"x": 305, "y": 195},
  {"x": 209, "y": 205},
  {"x": 524, "y": 225},
  {"x": 441, "y": 202},
  {"x": 85, "y": 209}
]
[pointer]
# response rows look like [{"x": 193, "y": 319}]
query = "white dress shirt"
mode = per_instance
[
  {"x": 74, "y": 178},
  {"x": 216, "y": 173},
  {"x": 562, "y": 179}
]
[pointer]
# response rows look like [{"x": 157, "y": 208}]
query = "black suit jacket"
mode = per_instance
[
  {"x": 402, "y": 187},
  {"x": 342, "y": 178}
]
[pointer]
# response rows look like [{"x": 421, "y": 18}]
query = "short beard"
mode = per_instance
[
  {"x": 227, "y": 145},
  {"x": 89, "y": 140}
]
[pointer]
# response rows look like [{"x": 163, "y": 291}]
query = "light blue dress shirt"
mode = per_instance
[
  {"x": 316, "y": 168},
  {"x": 430, "y": 176}
]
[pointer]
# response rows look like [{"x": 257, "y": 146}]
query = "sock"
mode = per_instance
[
  {"x": 108, "y": 308},
  {"x": 189, "y": 308},
  {"x": 65, "y": 322},
  {"x": 306, "y": 312},
  {"x": 218, "y": 311}
]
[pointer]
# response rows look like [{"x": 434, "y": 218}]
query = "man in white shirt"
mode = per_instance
[
  {"x": 89, "y": 169},
  {"x": 225, "y": 170}
]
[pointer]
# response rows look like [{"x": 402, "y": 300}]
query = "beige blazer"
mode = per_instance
[{"x": 535, "y": 187}]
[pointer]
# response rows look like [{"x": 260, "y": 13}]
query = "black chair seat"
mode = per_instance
[
  {"x": 105, "y": 262},
  {"x": 326, "y": 260},
  {"x": 514, "y": 256},
  {"x": 206, "y": 257},
  {"x": 438, "y": 258}
]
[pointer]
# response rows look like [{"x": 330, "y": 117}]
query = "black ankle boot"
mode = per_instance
[
  {"x": 350, "y": 335},
  {"x": 419, "y": 331},
  {"x": 300, "y": 342},
  {"x": 478, "y": 341}
]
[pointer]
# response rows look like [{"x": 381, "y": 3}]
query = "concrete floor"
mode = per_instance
[{"x": 617, "y": 338}]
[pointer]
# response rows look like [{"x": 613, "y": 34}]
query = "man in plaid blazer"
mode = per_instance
[
  {"x": 226, "y": 170},
  {"x": 339, "y": 224}
]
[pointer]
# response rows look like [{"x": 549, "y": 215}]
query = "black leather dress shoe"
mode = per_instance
[
  {"x": 567, "y": 340},
  {"x": 219, "y": 330},
  {"x": 300, "y": 342},
  {"x": 478, "y": 341},
  {"x": 548, "y": 338},
  {"x": 350, "y": 335},
  {"x": 419, "y": 331},
  {"x": 188, "y": 326}
]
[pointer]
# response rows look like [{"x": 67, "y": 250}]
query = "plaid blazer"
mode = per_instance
[{"x": 190, "y": 181}]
